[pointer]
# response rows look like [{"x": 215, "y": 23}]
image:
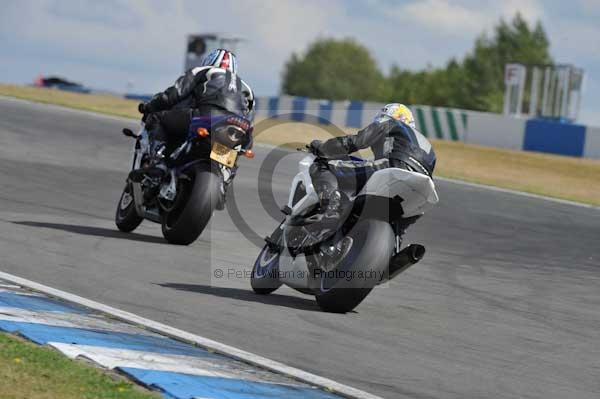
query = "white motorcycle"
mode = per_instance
[{"x": 341, "y": 263}]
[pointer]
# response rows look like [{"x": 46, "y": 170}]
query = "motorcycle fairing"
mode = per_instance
[
  {"x": 311, "y": 198},
  {"x": 416, "y": 190}
]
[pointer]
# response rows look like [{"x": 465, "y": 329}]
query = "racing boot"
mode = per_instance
[{"x": 156, "y": 169}]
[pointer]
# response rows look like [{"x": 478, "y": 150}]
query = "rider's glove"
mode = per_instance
[{"x": 313, "y": 147}]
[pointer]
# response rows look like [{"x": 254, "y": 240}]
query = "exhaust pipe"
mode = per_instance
[{"x": 405, "y": 259}]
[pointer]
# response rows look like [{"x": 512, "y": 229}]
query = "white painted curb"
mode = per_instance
[{"x": 277, "y": 367}]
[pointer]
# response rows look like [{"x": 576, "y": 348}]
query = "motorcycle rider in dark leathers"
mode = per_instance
[
  {"x": 395, "y": 142},
  {"x": 213, "y": 88}
]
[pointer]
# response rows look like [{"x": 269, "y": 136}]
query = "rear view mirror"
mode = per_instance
[{"x": 129, "y": 133}]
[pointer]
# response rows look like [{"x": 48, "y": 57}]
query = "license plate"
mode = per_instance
[{"x": 223, "y": 155}]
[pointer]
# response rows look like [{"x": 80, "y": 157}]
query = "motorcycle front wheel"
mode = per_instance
[
  {"x": 126, "y": 217},
  {"x": 264, "y": 279},
  {"x": 193, "y": 207}
]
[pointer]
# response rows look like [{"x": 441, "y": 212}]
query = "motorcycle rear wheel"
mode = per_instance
[
  {"x": 373, "y": 245},
  {"x": 183, "y": 224}
]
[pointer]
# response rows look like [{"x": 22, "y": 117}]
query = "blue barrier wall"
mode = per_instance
[
  {"x": 354, "y": 114},
  {"x": 138, "y": 97},
  {"x": 325, "y": 112},
  {"x": 273, "y": 106},
  {"x": 298, "y": 109},
  {"x": 554, "y": 137}
]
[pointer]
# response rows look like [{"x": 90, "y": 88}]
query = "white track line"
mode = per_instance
[
  {"x": 206, "y": 343},
  {"x": 515, "y": 192}
]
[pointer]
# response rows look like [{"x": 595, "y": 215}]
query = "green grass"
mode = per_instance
[
  {"x": 29, "y": 371},
  {"x": 575, "y": 179}
]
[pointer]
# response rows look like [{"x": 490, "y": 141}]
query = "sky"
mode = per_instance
[{"x": 138, "y": 45}]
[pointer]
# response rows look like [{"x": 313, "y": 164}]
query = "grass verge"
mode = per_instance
[
  {"x": 29, "y": 371},
  {"x": 574, "y": 179},
  {"x": 105, "y": 104}
]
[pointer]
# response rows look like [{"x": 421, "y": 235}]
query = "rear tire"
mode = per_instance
[
  {"x": 126, "y": 217},
  {"x": 184, "y": 224},
  {"x": 373, "y": 245}
]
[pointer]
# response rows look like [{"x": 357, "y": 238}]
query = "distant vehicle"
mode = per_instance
[
  {"x": 341, "y": 264},
  {"x": 54, "y": 82}
]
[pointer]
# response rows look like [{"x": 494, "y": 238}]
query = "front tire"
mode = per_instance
[
  {"x": 126, "y": 217},
  {"x": 184, "y": 223},
  {"x": 372, "y": 248},
  {"x": 264, "y": 279}
]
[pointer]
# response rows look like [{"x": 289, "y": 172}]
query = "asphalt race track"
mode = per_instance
[{"x": 506, "y": 303}]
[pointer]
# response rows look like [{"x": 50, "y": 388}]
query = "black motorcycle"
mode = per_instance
[{"x": 198, "y": 173}]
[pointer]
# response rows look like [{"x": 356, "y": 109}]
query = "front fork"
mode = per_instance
[{"x": 138, "y": 154}]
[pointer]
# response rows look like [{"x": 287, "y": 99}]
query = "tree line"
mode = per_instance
[{"x": 344, "y": 69}]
